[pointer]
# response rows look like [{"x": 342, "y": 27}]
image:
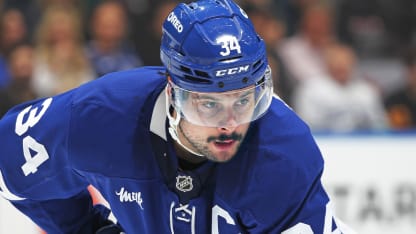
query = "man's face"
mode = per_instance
[{"x": 215, "y": 124}]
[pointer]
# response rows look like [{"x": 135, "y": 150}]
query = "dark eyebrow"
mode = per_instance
[
  {"x": 207, "y": 96},
  {"x": 247, "y": 93}
]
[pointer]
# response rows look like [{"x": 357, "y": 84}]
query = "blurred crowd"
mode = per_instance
[{"x": 342, "y": 65}]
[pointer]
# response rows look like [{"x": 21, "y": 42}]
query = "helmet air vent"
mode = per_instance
[
  {"x": 256, "y": 63},
  {"x": 185, "y": 69},
  {"x": 192, "y": 5},
  {"x": 258, "y": 68},
  {"x": 194, "y": 79},
  {"x": 201, "y": 73},
  {"x": 230, "y": 59}
]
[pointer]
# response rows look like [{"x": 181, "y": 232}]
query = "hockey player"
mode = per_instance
[{"x": 199, "y": 145}]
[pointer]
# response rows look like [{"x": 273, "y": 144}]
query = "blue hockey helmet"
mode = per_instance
[
  {"x": 211, "y": 46},
  {"x": 217, "y": 65}
]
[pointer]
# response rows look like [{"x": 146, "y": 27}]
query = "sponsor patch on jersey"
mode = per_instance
[
  {"x": 184, "y": 183},
  {"x": 126, "y": 196}
]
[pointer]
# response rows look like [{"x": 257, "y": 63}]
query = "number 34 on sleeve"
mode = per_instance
[{"x": 34, "y": 152}]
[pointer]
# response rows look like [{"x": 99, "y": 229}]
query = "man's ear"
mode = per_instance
[{"x": 171, "y": 94}]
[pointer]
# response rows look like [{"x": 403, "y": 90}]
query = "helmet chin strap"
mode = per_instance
[{"x": 173, "y": 127}]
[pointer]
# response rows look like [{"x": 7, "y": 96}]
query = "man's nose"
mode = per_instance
[{"x": 229, "y": 121}]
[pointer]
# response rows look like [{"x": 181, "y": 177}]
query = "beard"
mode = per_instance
[{"x": 200, "y": 144}]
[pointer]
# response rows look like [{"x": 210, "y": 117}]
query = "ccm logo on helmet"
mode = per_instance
[
  {"x": 232, "y": 71},
  {"x": 175, "y": 22}
]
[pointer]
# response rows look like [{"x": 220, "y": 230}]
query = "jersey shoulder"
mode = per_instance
[
  {"x": 110, "y": 120},
  {"x": 98, "y": 127},
  {"x": 120, "y": 90}
]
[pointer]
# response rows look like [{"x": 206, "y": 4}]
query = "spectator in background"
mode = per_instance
[
  {"x": 401, "y": 104},
  {"x": 12, "y": 31},
  {"x": 28, "y": 9},
  {"x": 288, "y": 11},
  {"x": 109, "y": 49},
  {"x": 377, "y": 28},
  {"x": 20, "y": 63},
  {"x": 272, "y": 31},
  {"x": 340, "y": 102},
  {"x": 147, "y": 38},
  {"x": 61, "y": 62},
  {"x": 302, "y": 54}
]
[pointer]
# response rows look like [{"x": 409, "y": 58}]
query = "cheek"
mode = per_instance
[
  {"x": 242, "y": 129},
  {"x": 194, "y": 131}
]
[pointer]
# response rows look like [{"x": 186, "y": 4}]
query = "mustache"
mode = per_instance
[{"x": 223, "y": 137}]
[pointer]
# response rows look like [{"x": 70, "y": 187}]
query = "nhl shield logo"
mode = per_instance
[{"x": 184, "y": 183}]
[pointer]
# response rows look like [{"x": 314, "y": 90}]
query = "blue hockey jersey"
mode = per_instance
[{"x": 111, "y": 133}]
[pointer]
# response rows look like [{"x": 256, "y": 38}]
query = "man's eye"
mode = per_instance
[
  {"x": 208, "y": 109},
  {"x": 209, "y": 105},
  {"x": 243, "y": 102}
]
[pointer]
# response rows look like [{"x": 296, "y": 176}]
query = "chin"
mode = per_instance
[{"x": 221, "y": 157}]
